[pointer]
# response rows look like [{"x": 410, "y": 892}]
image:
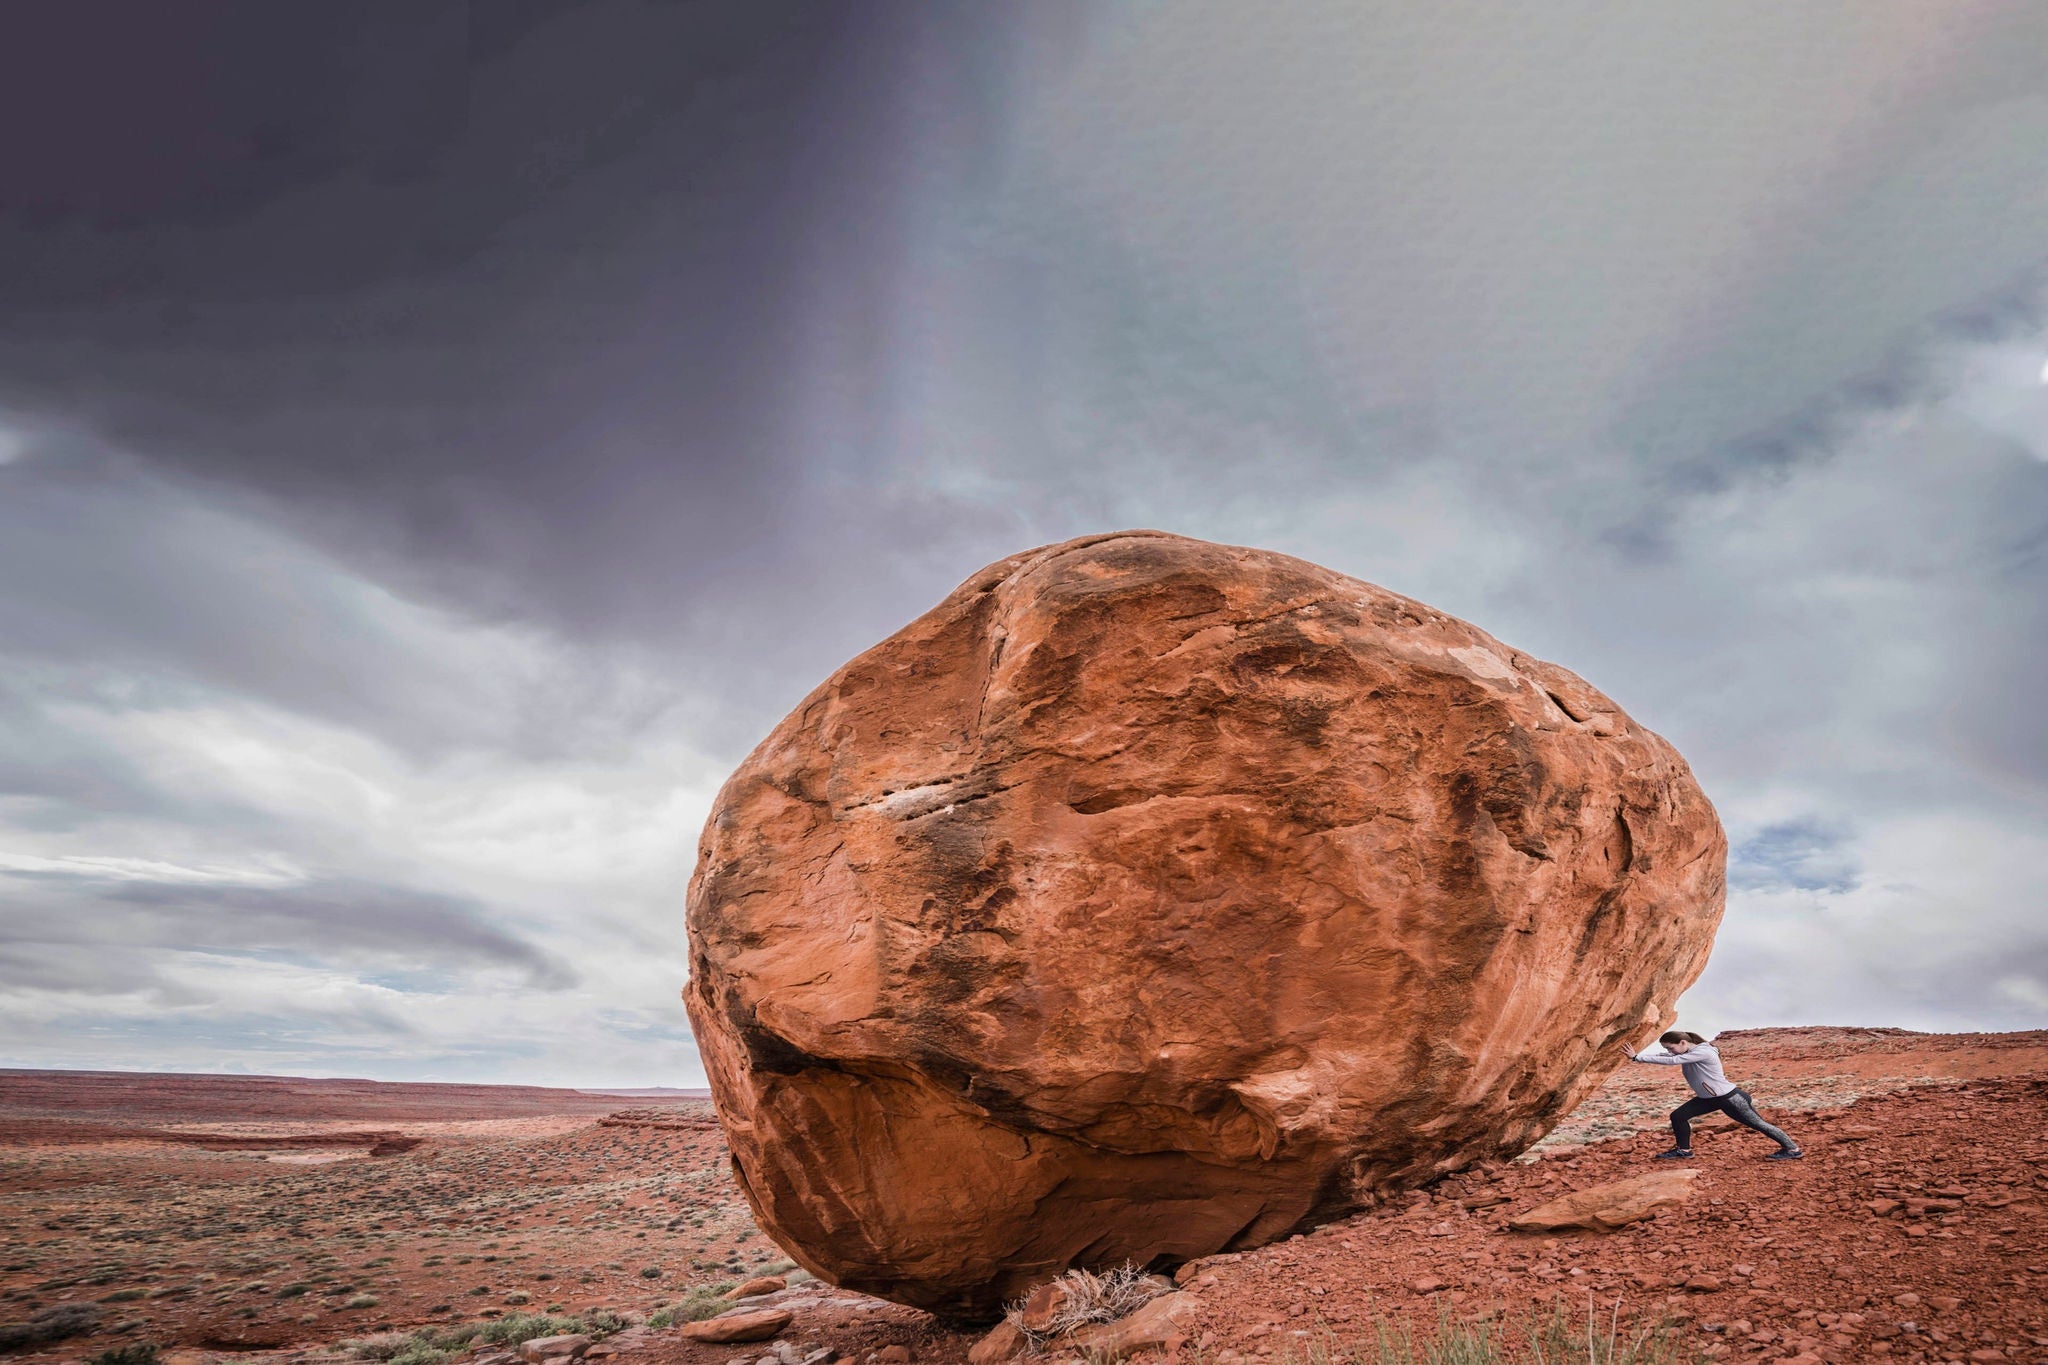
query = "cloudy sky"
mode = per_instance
[{"x": 437, "y": 440}]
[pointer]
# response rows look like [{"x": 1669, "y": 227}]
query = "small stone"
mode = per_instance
[
  {"x": 1005, "y": 1341},
  {"x": 760, "y": 1284},
  {"x": 1906, "y": 1300},
  {"x": 898, "y": 1354},
  {"x": 1427, "y": 1285},
  {"x": 1944, "y": 1303},
  {"x": 1703, "y": 1284}
]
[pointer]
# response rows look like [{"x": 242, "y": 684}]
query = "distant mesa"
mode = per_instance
[{"x": 1149, "y": 898}]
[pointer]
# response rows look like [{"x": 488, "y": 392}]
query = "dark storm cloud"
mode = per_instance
[{"x": 494, "y": 290}]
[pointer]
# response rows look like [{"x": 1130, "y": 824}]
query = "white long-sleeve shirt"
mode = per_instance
[{"x": 1702, "y": 1068}]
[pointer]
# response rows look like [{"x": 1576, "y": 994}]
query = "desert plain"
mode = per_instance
[{"x": 229, "y": 1217}]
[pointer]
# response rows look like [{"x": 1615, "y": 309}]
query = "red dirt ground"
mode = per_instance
[{"x": 519, "y": 1199}]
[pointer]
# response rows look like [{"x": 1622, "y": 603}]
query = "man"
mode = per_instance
[{"x": 1700, "y": 1064}]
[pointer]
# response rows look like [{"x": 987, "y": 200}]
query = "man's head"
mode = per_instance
[{"x": 1680, "y": 1042}]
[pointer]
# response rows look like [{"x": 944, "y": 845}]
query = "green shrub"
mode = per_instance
[
  {"x": 52, "y": 1324},
  {"x": 518, "y": 1327},
  {"x": 699, "y": 1302},
  {"x": 136, "y": 1353},
  {"x": 420, "y": 1353},
  {"x": 600, "y": 1322},
  {"x": 378, "y": 1345}
]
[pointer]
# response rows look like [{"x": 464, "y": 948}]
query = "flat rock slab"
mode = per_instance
[
  {"x": 544, "y": 1348},
  {"x": 1606, "y": 1207},
  {"x": 748, "y": 1324}
]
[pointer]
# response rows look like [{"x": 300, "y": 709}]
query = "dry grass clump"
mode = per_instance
[
  {"x": 1115, "y": 1293},
  {"x": 1559, "y": 1336},
  {"x": 378, "y": 1345},
  {"x": 700, "y": 1302}
]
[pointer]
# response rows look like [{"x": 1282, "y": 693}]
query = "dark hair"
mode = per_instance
[{"x": 1677, "y": 1037}]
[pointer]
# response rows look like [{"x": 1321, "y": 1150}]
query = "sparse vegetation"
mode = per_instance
[
  {"x": 1558, "y": 1337},
  {"x": 136, "y": 1353},
  {"x": 51, "y": 1324},
  {"x": 1115, "y": 1293},
  {"x": 699, "y": 1302},
  {"x": 378, "y": 1345}
]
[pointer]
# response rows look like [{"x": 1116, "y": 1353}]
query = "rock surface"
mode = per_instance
[
  {"x": 1149, "y": 897},
  {"x": 1606, "y": 1207}
]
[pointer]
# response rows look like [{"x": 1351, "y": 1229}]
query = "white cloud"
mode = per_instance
[{"x": 557, "y": 820}]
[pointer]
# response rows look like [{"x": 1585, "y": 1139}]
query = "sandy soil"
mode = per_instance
[{"x": 521, "y": 1199}]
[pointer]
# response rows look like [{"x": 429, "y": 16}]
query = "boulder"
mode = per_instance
[
  {"x": 1606, "y": 1207},
  {"x": 537, "y": 1349},
  {"x": 1149, "y": 898},
  {"x": 742, "y": 1324},
  {"x": 759, "y": 1284}
]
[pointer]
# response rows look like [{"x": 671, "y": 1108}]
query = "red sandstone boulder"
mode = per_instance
[{"x": 1149, "y": 897}]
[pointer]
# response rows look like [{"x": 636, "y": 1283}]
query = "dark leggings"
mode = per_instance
[{"x": 1737, "y": 1105}]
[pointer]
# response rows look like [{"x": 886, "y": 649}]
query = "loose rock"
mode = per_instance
[
  {"x": 760, "y": 1284},
  {"x": 1005, "y": 1341},
  {"x": 745, "y": 1324},
  {"x": 1606, "y": 1207},
  {"x": 1164, "y": 1321}
]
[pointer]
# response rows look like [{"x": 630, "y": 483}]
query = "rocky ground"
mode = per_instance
[{"x": 1914, "y": 1230}]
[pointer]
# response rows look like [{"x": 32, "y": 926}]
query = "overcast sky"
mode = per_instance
[{"x": 437, "y": 441}]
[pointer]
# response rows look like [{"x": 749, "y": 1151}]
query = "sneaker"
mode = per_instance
[
  {"x": 1793, "y": 1155},
  {"x": 1676, "y": 1154}
]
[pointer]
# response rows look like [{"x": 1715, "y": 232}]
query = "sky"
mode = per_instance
[{"x": 437, "y": 441}]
